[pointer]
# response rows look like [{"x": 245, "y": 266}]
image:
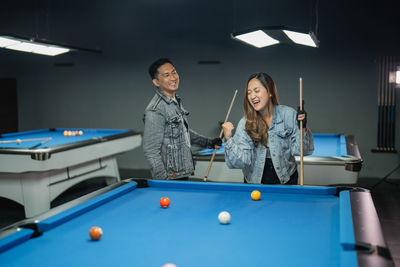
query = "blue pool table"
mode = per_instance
[
  {"x": 289, "y": 226},
  {"x": 37, "y": 166},
  {"x": 336, "y": 160}
]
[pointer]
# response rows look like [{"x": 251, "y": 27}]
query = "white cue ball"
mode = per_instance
[
  {"x": 18, "y": 141},
  {"x": 224, "y": 217}
]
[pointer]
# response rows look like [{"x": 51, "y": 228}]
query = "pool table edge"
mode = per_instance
[
  {"x": 370, "y": 245},
  {"x": 45, "y": 153}
]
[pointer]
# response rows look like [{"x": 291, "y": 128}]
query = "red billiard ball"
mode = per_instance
[
  {"x": 164, "y": 202},
  {"x": 95, "y": 233}
]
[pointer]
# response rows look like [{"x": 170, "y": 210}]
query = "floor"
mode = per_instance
[{"x": 386, "y": 196}]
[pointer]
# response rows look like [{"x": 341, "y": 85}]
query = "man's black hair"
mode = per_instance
[{"x": 153, "y": 69}]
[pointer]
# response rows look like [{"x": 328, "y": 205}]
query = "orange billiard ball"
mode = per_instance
[
  {"x": 164, "y": 202},
  {"x": 95, "y": 233},
  {"x": 65, "y": 133},
  {"x": 255, "y": 195}
]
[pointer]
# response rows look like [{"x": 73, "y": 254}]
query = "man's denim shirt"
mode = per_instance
[
  {"x": 283, "y": 143},
  {"x": 166, "y": 142}
]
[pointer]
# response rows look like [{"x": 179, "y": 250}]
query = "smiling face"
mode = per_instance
[
  {"x": 258, "y": 96},
  {"x": 167, "y": 79}
]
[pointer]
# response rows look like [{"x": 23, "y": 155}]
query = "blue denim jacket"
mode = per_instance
[
  {"x": 167, "y": 138},
  {"x": 283, "y": 143}
]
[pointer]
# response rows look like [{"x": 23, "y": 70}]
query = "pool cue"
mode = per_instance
[
  {"x": 389, "y": 145},
  {"x": 393, "y": 106},
  {"x": 379, "y": 137},
  {"x": 385, "y": 106},
  {"x": 41, "y": 143},
  {"x": 301, "y": 135},
  {"x": 23, "y": 140},
  {"x": 220, "y": 136}
]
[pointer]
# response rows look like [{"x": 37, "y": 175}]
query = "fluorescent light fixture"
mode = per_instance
[
  {"x": 37, "y": 46},
  {"x": 301, "y": 38},
  {"x": 256, "y": 38},
  {"x": 14, "y": 43},
  {"x": 266, "y": 36},
  {"x": 398, "y": 77},
  {"x": 38, "y": 49},
  {"x": 4, "y": 42}
]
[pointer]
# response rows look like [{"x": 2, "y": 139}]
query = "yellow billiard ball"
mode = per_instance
[{"x": 255, "y": 195}]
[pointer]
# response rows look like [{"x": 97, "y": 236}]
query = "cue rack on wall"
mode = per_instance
[{"x": 386, "y": 104}]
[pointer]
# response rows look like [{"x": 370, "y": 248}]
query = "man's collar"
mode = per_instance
[{"x": 167, "y": 98}]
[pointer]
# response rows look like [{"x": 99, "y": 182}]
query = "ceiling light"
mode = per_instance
[
  {"x": 38, "y": 46},
  {"x": 307, "y": 39},
  {"x": 256, "y": 38},
  {"x": 266, "y": 36}
]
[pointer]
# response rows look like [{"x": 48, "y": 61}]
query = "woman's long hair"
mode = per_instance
[{"x": 256, "y": 127}]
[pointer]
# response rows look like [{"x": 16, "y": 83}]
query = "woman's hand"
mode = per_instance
[{"x": 228, "y": 127}]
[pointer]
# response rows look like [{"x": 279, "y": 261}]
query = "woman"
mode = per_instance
[{"x": 267, "y": 138}]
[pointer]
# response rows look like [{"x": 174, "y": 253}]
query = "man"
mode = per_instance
[{"x": 167, "y": 137}]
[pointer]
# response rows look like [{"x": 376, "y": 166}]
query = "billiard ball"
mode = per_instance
[
  {"x": 80, "y": 132},
  {"x": 95, "y": 233},
  {"x": 76, "y": 132},
  {"x": 224, "y": 217},
  {"x": 65, "y": 133},
  {"x": 255, "y": 195},
  {"x": 169, "y": 265},
  {"x": 18, "y": 141},
  {"x": 164, "y": 202}
]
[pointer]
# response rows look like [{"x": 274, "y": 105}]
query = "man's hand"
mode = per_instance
[{"x": 216, "y": 143}]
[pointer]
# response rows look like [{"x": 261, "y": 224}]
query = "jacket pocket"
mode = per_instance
[
  {"x": 179, "y": 160},
  {"x": 175, "y": 126},
  {"x": 283, "y": 139}
]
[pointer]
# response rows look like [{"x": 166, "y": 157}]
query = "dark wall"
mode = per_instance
[{"x": 111, "y": 90}]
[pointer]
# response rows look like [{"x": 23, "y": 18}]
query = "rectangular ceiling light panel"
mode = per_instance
[
  {"x": 31, "y": 46},
  {"x": 257, "y": 38}
]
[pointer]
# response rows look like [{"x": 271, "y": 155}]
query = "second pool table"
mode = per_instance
[
  {"x": 336, "y": 160},
  {"x": 45, "y": 163}
]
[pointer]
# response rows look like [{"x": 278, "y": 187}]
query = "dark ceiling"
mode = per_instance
[{"x": 120, "y": 27}]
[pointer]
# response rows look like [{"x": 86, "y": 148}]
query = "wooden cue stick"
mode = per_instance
[
  {"x": 301, "y": 135},
  {"x": 220, "y": 136},
  {"x": 379, "y": 137},
  {"x": 385, "y": 105},
  {"x": 392, "y": 105},
  {"x": 389, "y": 144}
]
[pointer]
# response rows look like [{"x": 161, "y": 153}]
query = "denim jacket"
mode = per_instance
[
  {"x": 167, "y": 138},
  {"x": 283, "y": 143}
]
